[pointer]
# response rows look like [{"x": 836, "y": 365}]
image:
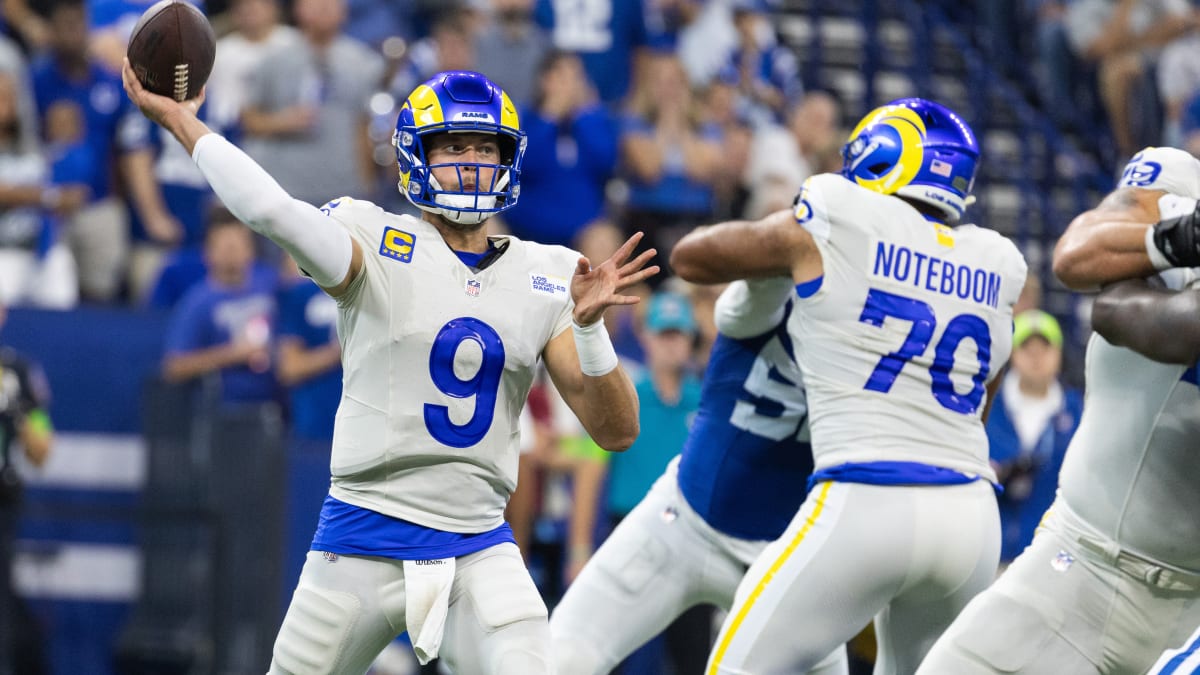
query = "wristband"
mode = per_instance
[
  {"x": 1157, "y": 258},
  {"x": 596, "y": 354}
]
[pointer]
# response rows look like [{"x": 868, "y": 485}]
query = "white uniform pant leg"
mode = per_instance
[
  {"x": 850, "y": 551},
  {"x": 660, "y": 561},
  {"x": 497, "y": 621},
  {"x": 344, "y": 612},
  {"x": 1058, "y": 609}
]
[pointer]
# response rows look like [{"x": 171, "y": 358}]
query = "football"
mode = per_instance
[{"x": 171, "y": 49}]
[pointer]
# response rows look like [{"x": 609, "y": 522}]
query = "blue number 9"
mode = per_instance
[{"x": 484, "y": 385}]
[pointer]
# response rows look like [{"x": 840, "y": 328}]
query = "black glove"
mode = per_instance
[{"x": 1178, "y": 239}]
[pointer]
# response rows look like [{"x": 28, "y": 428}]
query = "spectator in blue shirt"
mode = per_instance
[
  {"x": 223, "y": 325},
  {"x": 572, "y": 154},
  {"x": 671, "y": 156},
  {"x": 70, "y": 86},
  {"x": 1030, "y": 425},
  {"x": 607, "y": 34},
  {"x": 768, "y": 74},
  {"x": 309, "y": 366}
]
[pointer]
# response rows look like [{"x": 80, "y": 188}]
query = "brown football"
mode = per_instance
[{"x": 172, "y": 48}]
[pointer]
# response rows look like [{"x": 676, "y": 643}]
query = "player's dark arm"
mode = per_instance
[
  {"x": 321, "y": 247},
  {"x": 1108, "y": 243},
  {"x": 772, "y": 247},
  {"x": 1159, "y": 323}
]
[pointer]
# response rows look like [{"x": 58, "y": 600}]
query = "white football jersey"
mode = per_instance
[
  {"x": 438, "y": 360},
  {"x": 910, "y": 322},
  {"x": 1133, "y": 466}
]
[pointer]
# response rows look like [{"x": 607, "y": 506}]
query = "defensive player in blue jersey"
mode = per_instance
[
  {"x": 899, "y": 322},
  {"x": 737, "y": 483}
]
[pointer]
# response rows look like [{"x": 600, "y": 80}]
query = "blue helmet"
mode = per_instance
[
  {"x": 459, "y": 101},
  {"x": 916, "y": 149}
]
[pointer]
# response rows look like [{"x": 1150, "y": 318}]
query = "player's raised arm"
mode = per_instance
[
  {"x": 1149, "y": 223},
  {"x": 751, "y": 307},
  {"x": 771, "y": 247},
  {"x": 583, "y": 364},
  {"x": 1137, "y": 314},
  {"x": 324, "y": 250}
]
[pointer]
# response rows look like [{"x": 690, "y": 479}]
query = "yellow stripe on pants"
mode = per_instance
[{"x": 762, "y": 584}]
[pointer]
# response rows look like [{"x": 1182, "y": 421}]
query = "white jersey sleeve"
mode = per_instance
[
  {"x": 438, "y": 362},
  {"x": 900, "y": 336},
  {"x": 751, "y": 307}
]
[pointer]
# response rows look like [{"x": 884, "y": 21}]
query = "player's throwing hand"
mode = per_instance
[
  {"x": 156, "y": 108},
  {"x": 595, "y": 289}
]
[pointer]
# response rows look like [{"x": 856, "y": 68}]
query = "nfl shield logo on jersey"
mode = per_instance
[{"x": 473, "y": 287}]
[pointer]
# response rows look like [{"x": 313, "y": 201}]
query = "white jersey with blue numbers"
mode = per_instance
[
  {"x": 747, "y": 457},
  {"x": 1132, "y": 471},
  {"x": 438, "y": 362},
  {"x": 900, "y": 336}
]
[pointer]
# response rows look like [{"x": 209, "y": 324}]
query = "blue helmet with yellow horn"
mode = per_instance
[
  {"x": 916, "y": 149},
  {"x": 459, "y": 101}
]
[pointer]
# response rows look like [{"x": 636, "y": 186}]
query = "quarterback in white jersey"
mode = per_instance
[
  {"x": 1112, "y": 578},
  {"x": 441, "y": 328},
  {"x": 900, "y": 322}
]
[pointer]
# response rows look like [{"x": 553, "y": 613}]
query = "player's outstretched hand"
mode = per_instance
[
  {"x": 595, "y": 289},
  {"x": 157, "y": 108}
]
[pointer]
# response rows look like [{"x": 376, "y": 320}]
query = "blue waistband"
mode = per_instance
[
  {"x": 352, "y": 530},
  {"x": 894, "y": 473}
]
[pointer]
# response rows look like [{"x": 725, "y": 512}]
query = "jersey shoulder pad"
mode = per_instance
[{"x": 811, "y": 205}]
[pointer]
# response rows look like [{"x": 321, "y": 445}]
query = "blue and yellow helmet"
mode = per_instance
[
  {"x": 459, "y": 101},
  {"x": 916, "y": 149}
]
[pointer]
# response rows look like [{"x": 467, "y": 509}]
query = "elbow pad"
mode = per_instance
[{"x": 1178, "y": 239}]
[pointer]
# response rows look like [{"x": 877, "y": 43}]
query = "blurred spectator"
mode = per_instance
[
  {"x": 25, "y": 426},
  {"x": 768, "y": 75},
  {"x": 223, "y": 325},
  {"x": 111, "y": 26},
  {"x": 26, "y": 23},
  {"x": 668, "y": 395},
  {"x": 572, "y": 154},
  {"x": 450, "y": 46},
  {"x": 722, "y": 109},
  {"x": 607, "y": 34},
  {"x": 257, "y": 32},
  {"x": 510, "y": 49},
  {"x": 1190, "y": 126},
  {"x": 35, "y": 268},
  {"x": 310, "y": 368},
  {"x": 783, "y": 157},
  {"x": 671, "y": 157},
  {"x": 13, "y": 64},
  {"x": 704, "y": 303},
  {"x": 1178, "y": 84},
  {"x": 1031, "y": 295},
  {"x": 87, "y": 120},
  {"x": 1123, "y": 37},
  {"x": 306, "y": 117},
  {"x": 1030, "y": 425},
  {"x": 373, "y": 21}
]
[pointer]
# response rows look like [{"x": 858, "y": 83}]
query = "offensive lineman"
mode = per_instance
[
  {"x": 1112, "y": 578},
  {"x": 898, "y": 324},
  {"x": 737, "y": 482},
  {"x": 441, "y": 328}
]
